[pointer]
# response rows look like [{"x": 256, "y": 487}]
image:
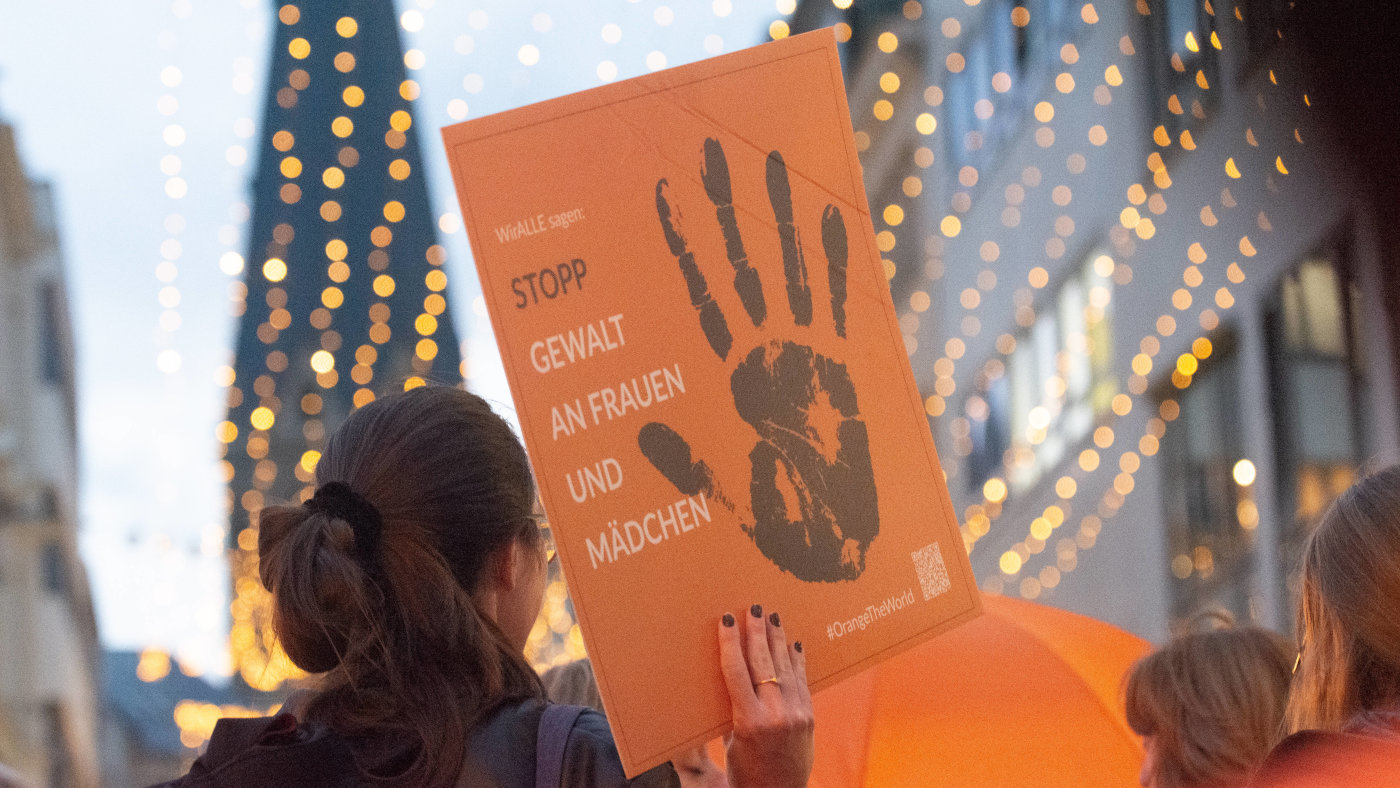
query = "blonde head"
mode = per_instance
[
  {"x": 1212, "y": 703},
  {"x": 1349, "y": 608}
]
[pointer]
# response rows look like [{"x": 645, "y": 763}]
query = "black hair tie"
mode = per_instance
[{"x": 336, "y": 499}]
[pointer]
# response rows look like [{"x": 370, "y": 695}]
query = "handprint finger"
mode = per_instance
[
  {"x": 834, "y": 242},
  {"x": 715, "y": 176},
  {"x": 794, "y": 265},
  {"x": 765, "y": 498},
  {"x": 670, "y": 454},
  {"x": 712, "y": 320},
  {"x": 835, "y": 380}
]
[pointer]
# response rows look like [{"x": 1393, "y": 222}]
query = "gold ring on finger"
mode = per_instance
[{"x": 773, "y": 680}]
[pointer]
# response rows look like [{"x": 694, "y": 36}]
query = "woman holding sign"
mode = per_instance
[{"x": 410, "y": 582}]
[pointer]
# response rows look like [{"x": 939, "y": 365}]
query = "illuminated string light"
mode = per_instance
[
  {"x": 1141, "y": 225},
  {"x": 901, "y": 235}
]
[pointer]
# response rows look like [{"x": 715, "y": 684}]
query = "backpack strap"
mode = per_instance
[{"x": 555, "y": 724}]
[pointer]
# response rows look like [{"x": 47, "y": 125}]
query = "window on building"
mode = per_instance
[
  {"x": 1184, "y": 38},
  {"x": 53, "y": 569},
  {"x": 1023, "y": 50},
  {"x": 989, "y": 430},
  {"x": 60, "y": 751},
  {"x": 1048, "y": 29},
  {"x": 9, "y": 503},
  {"x": 53, "y": 365},
  {"x": 971, "y": 119},
  {"x": 1007, "y": 64},
  {"x": 48, "y": 503},
  {"x": 1262, "y": 20},
  {"x": 1209, "y": 512},
  {"x": 1053, "y": 387},
  {"x": 1319, "y": 392},
  {"x": 1036, "y": 386}
]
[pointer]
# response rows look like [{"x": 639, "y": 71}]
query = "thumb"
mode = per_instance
[{"x": 669, "y": 453}]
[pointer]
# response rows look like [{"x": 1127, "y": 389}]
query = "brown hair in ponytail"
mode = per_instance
[{"x": 410, "y": 664}]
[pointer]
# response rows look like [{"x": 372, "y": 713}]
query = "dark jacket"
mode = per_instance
[
  {"x": 1364, "y": 754},
  {"x": 278, "y": 751}
]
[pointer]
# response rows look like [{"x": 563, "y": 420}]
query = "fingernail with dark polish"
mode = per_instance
[
  {"x": 798, "y": 645},
  {"x": 774, "y": 620},
  {"x": 728, "y": 620},
  {"x": 757, "y": 611}
]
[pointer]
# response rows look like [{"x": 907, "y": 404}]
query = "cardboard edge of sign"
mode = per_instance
[{"x": 509, "y": 120}]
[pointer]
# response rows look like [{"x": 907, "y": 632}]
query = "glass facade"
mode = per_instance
[
  {"x": 1262, "y": 19},
  {"x": 1187, "y": 48},
  {"x": 1209, "y": 510},
  {"x": 1317, "y": 401},
  {"x": 1003, "y": 71},
  {"x": 1055, "y": 384},
  {"x": 1317, "y": 365}
]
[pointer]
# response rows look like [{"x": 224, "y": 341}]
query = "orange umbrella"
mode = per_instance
[{"x": 1024, "y": 695}]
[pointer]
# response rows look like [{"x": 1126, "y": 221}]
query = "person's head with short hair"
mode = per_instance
[
  {"x": 411, "y": 579},
  {"x": 1349, "y": 609},
  {"x": 1209, "y": 706}
]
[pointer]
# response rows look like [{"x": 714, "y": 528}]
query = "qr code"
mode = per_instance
[{"x": 933, "y": 574}]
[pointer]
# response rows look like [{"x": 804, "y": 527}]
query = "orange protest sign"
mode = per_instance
[{"x": 707, "y": 368}]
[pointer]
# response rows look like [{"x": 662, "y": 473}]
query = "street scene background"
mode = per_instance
[{"x": 1138, "y": 256}]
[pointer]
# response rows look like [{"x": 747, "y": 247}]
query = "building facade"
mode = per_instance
[
  {"x": 1141, "y": 285},
  {"x": 48, "y": 634}
]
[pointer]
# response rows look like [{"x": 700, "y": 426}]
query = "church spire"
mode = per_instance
[{"x": 344, "y": 295}]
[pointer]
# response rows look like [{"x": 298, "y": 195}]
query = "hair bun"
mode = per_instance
[{"x": 337, "y": 500}]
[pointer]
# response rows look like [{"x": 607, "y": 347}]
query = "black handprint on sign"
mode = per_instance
[{"x": 812, "y": 489}]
